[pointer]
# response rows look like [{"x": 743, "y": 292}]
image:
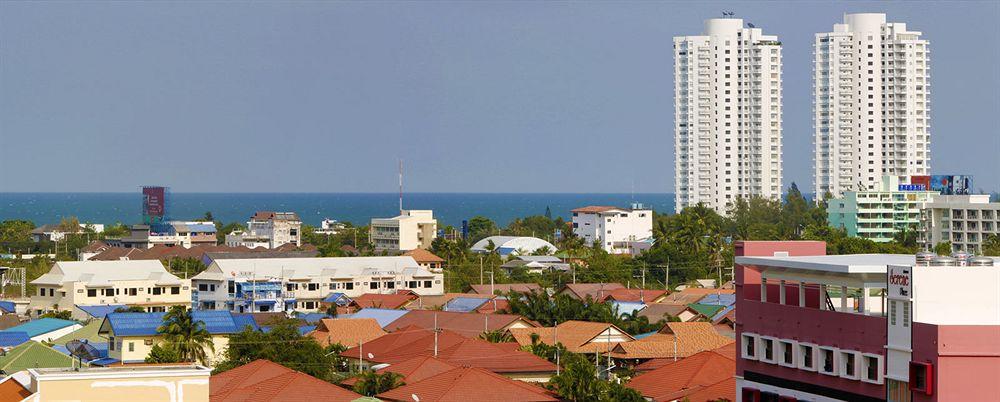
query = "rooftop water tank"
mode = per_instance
[
  {"x": 944, "y": 261},
  {"x": 924, "y": 258},
  {"x": 980, "y": 262},
  {"x": 962, "y": 257}
]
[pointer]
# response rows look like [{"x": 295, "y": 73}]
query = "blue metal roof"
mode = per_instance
[
  {"x": 464, "y": 304},
  {"x": 337, "y": 297},
  {"x": 100, "y": 310},
  {"x": 384, "y": 316},
  {"x": 244, "y": 320},
  {"x": 624, "y": 308},
  {"x": 716, "y": 299},
  {"x": 105, "y": 361},
  {"x": 312, "y": 318},
  {"x": 640, "y": 336},
  {"x": 200, "y": 227},
  {"x": 722, "y": 313},
  {"x": 42, "y": 326},
  {"x": 145, "y": 324},
  {"x": 9, "y": 339},
  {"x": 8, "y": 306}
]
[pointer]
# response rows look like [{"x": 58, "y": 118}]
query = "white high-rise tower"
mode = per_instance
[
  {"x": 727, "y": 108},
  {"x": 871, "y": 104}
]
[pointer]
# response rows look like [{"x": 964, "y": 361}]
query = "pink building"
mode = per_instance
[{"x": 813, "y": 327}]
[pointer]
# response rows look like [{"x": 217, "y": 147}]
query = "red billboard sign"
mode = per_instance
[{"x": 154, "y": 201}]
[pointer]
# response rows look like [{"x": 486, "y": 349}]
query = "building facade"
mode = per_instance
[
  {"x": 172, "y": 383},
  {"x": 963, "y": 220},
  {"x": 727, "y": 108},
  {"x": 269, "y": 230},
  {"x": 614, "y": 229},
  {"x": 141, "y": 283},
  {"x": 824, "y": 328},
  {"x": 412, "y": 229},
  {"x": 879, "y": 214},
  {"x": 872, "y": 104},
  {"x": 176, "y": 233},
  {"x": 300, "y": 284}
]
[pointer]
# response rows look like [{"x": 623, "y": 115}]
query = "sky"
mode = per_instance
[{"x": 474, "y": 96}]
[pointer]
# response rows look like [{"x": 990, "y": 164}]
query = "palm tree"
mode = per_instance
[
  {"x": 185, "y": 335},
  {"x": 371, "y": 383},
  {"x": 497, "y": 336}
]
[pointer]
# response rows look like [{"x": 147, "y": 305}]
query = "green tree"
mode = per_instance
[
  {"x": 186, "y": 336},
  {"x": 943, "y": 248},
  {"x": 284, "y": 345},
  {"x": 163, "y": 354},
  {"x": 371, "y": 383},
  {"x": 496, "y": 336},
  {"x": 207, "y": 217},
  {"x": 61, "y": 314},
  {"x": 481, "y": 227},
  {"x": 991, "y": 245},
  {"x": 130, "y": 309}
]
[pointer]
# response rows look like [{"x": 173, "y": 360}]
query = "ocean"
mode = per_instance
[{"x": 357, "y": 208}]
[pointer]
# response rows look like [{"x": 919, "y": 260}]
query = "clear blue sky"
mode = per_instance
[{"x": 475, "y": 96}]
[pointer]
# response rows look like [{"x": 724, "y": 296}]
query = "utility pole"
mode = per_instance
[
  {"x": 666, "y": 276},
  {"x": 641, "y": 297},
  {"x": 480, "y": 269},
  {"x": 436, "y": 335},
  {"x": 361, "y": 347},
  {"x": 492, "y": 285}
]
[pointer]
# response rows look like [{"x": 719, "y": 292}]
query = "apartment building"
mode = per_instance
[
  {"x": 168, "y": 383},
  {"x": 268, "y": 229},
  {"x": 727, "y": 108},
  {"x": 145, "y": 284},
  {"x": 879, "y": 214},
  {"x": 175, "y": 233},
  {"x": 412, "y": 229},
  {"x": 870, "y": 327},
  {"x": 300, "y": 284},
  {"x": 615, "y": 229},
  {"x": 963, "y": 220},
  {"x": 872, "y": 104}
]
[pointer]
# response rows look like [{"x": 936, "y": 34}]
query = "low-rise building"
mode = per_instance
[
  {"x": 301, "y": 284},
  {"x": 963, "y": 220},
  {"x": 174, "y": 233},
  {"x": 266, "y": 381},
  {"x": 426, "y": 259},
  {"x": 46, "y": 329},
  {"x": 173, "y": 383},
  {"x": 145, "y": 284},
  {"x": 268, "y": 229},
  {"x": 412, "y": 229},
  {"x": 132, "y": 335},
  {"x": 52, "y": 232},
  {"x": 879, "y": 215},
  {"x": 613, "y": 228},
  {"x": 513, "y": 245}
]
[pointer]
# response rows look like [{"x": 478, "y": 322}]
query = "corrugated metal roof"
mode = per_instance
[
  {"x": 42, "y": 326},
  {"x": 100, "y": 310},
  {"x": 145, "y": 324},
  {"x": 9, "y": 339},
  {"x": 8, "y": 306},
  {"x": 464, "y": 304},
  {"x": 382, "y": 315}
]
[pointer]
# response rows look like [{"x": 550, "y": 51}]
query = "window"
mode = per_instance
[
  {"x": 871, "y": 368},
  {"x": 807, "y": 357},
  {"x": 390, "y": 285},
  {"x": 749, "y": 349},
  {"x": 90, "y": 292},
  {"x": 202, "y": 287},
  {"x": 157, "y": 291},
  {"x": 349, "y": 286},
  {"x": 132, "y": 291},
  {"x": 411, "y": 284},
  {"x": 41, "y": 292},
  {"x": 427, "y": 284},
  {"x": 767, "y": 354},
  {"x": 373, "y": 285},
  {"x": 313, "y": 286},
  {"x": 786, "y": 353},
  {"x": 828, "y": 360},
  {"x": 111, "y": 343},
  {"x": 131, "y": 346},
  {"x": 906, "y": 314},
  {"x": 849, "y": 364},
  {"x": 922, "y": 378},
  {"x": 147, "y": 342}
]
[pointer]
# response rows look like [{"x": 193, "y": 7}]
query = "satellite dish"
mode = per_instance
[
  {"x": 371, "y": 356},
  {"x": 82, "y": 350},
  {"x": 415, "y": 397}
]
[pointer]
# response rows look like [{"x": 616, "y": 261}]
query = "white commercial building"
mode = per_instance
[
  {"x": 872, "y": 104},
  {"x": 615, "y": 229},
  {"x": 412, "y": 229},
  {"x": 727, "y": 108},
  {"x": 285, "y": 284},
  {"x": 269, "y": 230},
  {"x": 963, "y": 220}
]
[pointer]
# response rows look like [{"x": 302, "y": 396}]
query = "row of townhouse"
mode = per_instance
[{"x": 301, "y": 284}]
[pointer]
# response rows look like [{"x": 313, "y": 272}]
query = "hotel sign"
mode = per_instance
[{"x": 899, "y": 281}]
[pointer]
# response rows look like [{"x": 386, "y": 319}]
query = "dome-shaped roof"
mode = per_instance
[{"x": 513, "y": 245}]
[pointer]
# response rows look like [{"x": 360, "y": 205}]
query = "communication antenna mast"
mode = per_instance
[
  {"x": 12, "y": 276},
  {"x": 400, "y": 186}
]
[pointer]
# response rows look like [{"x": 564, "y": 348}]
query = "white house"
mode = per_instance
[
  {"x": 615, "y": 229},
  {"x": 506, "y": 245},
  {"x": 269, "y": 230},
  {"x": 412, "y": 229}
]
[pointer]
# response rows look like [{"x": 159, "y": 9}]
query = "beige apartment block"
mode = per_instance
[
  {"x": 182, "y": 383},
  {"x": 412, "y": 229}
]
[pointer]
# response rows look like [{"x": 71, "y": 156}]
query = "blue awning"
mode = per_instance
[
  {"x": 267, "y": 302},
  {"x": 106, "y": 361}
]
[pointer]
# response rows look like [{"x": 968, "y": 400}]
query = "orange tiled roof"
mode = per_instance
[
  {"x": 493, "y": 306},
  {"x": 389, "y": 301},
  {"x": 468, "y": 384},
  {"x": 422, "y": 256},
  {"x": 574, "y": 335},
  {"x": 436, "y": 302},
  {"x": 346, "y": 331},
  {"x": 266, "y": 381},
  {"x": 13, "y": 391},
  {"x": 467, "y": 324},
  {"x": 728, "y": 350},
  {"x": 596, "y": 291},
  {"x": 700, "y": 374},
  {"x": 633, "y": 295},
  {"x": 505, "y": 288}
]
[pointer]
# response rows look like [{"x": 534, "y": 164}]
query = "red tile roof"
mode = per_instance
[
  {"x": 161, "y": 252},
  {"x": 633, "y": 295},
  {"x": 595, "y": 290},
  {"x": 346, "y": 331},
  {"x": 493, "y": 306},
  {"x": 468, "y": 324},
  {"x": 703, "y": 374},
  {"x": 456, "y": 349},
  {"x": 727, "y": 350},
  {"x": 389, "y": 301},
  {"x": 468, "y": 384},
  {"x": 12, "y": 391},
  {"x": 266, "y": 381},
  {"x": 505, "y": 288},
  {"x": 423, "y": 256},
  {"x": 412, "y": 370}
]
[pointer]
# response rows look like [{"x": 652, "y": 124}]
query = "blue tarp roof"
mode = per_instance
[
  {"x": 384, "y": 316},
  {"x": 337, "y": 297},
  {"x": 8, "y": 306},
  {"x": 139, "y": 324},
  {"x": 9, "y": 339},
  {"x": 100, "y": 310},
  {"x": 722, "y": 313},
  {"x": 464, "y": 304},
  {"x": 716, "y": 299},
  {"x": 42, "y": 326},
  {"x": 624, "y": 308}
]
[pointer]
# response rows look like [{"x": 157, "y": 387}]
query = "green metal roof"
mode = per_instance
[
  {"x": 707, "y": 310},
  {"x": 88, "y": 332},
  {"x": 32, "y": 354}
]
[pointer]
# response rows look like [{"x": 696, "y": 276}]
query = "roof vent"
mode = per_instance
[
  {"x": 980, "y": 262},
  {"x": 962, "y": 257},
  {"x": 924, "y": 258},
  {"x": 944, "y": 261}
]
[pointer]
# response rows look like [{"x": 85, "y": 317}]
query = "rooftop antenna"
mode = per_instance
[
  {"x": 751, "y": 25},
  {"x": 400, "y": 186}
]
